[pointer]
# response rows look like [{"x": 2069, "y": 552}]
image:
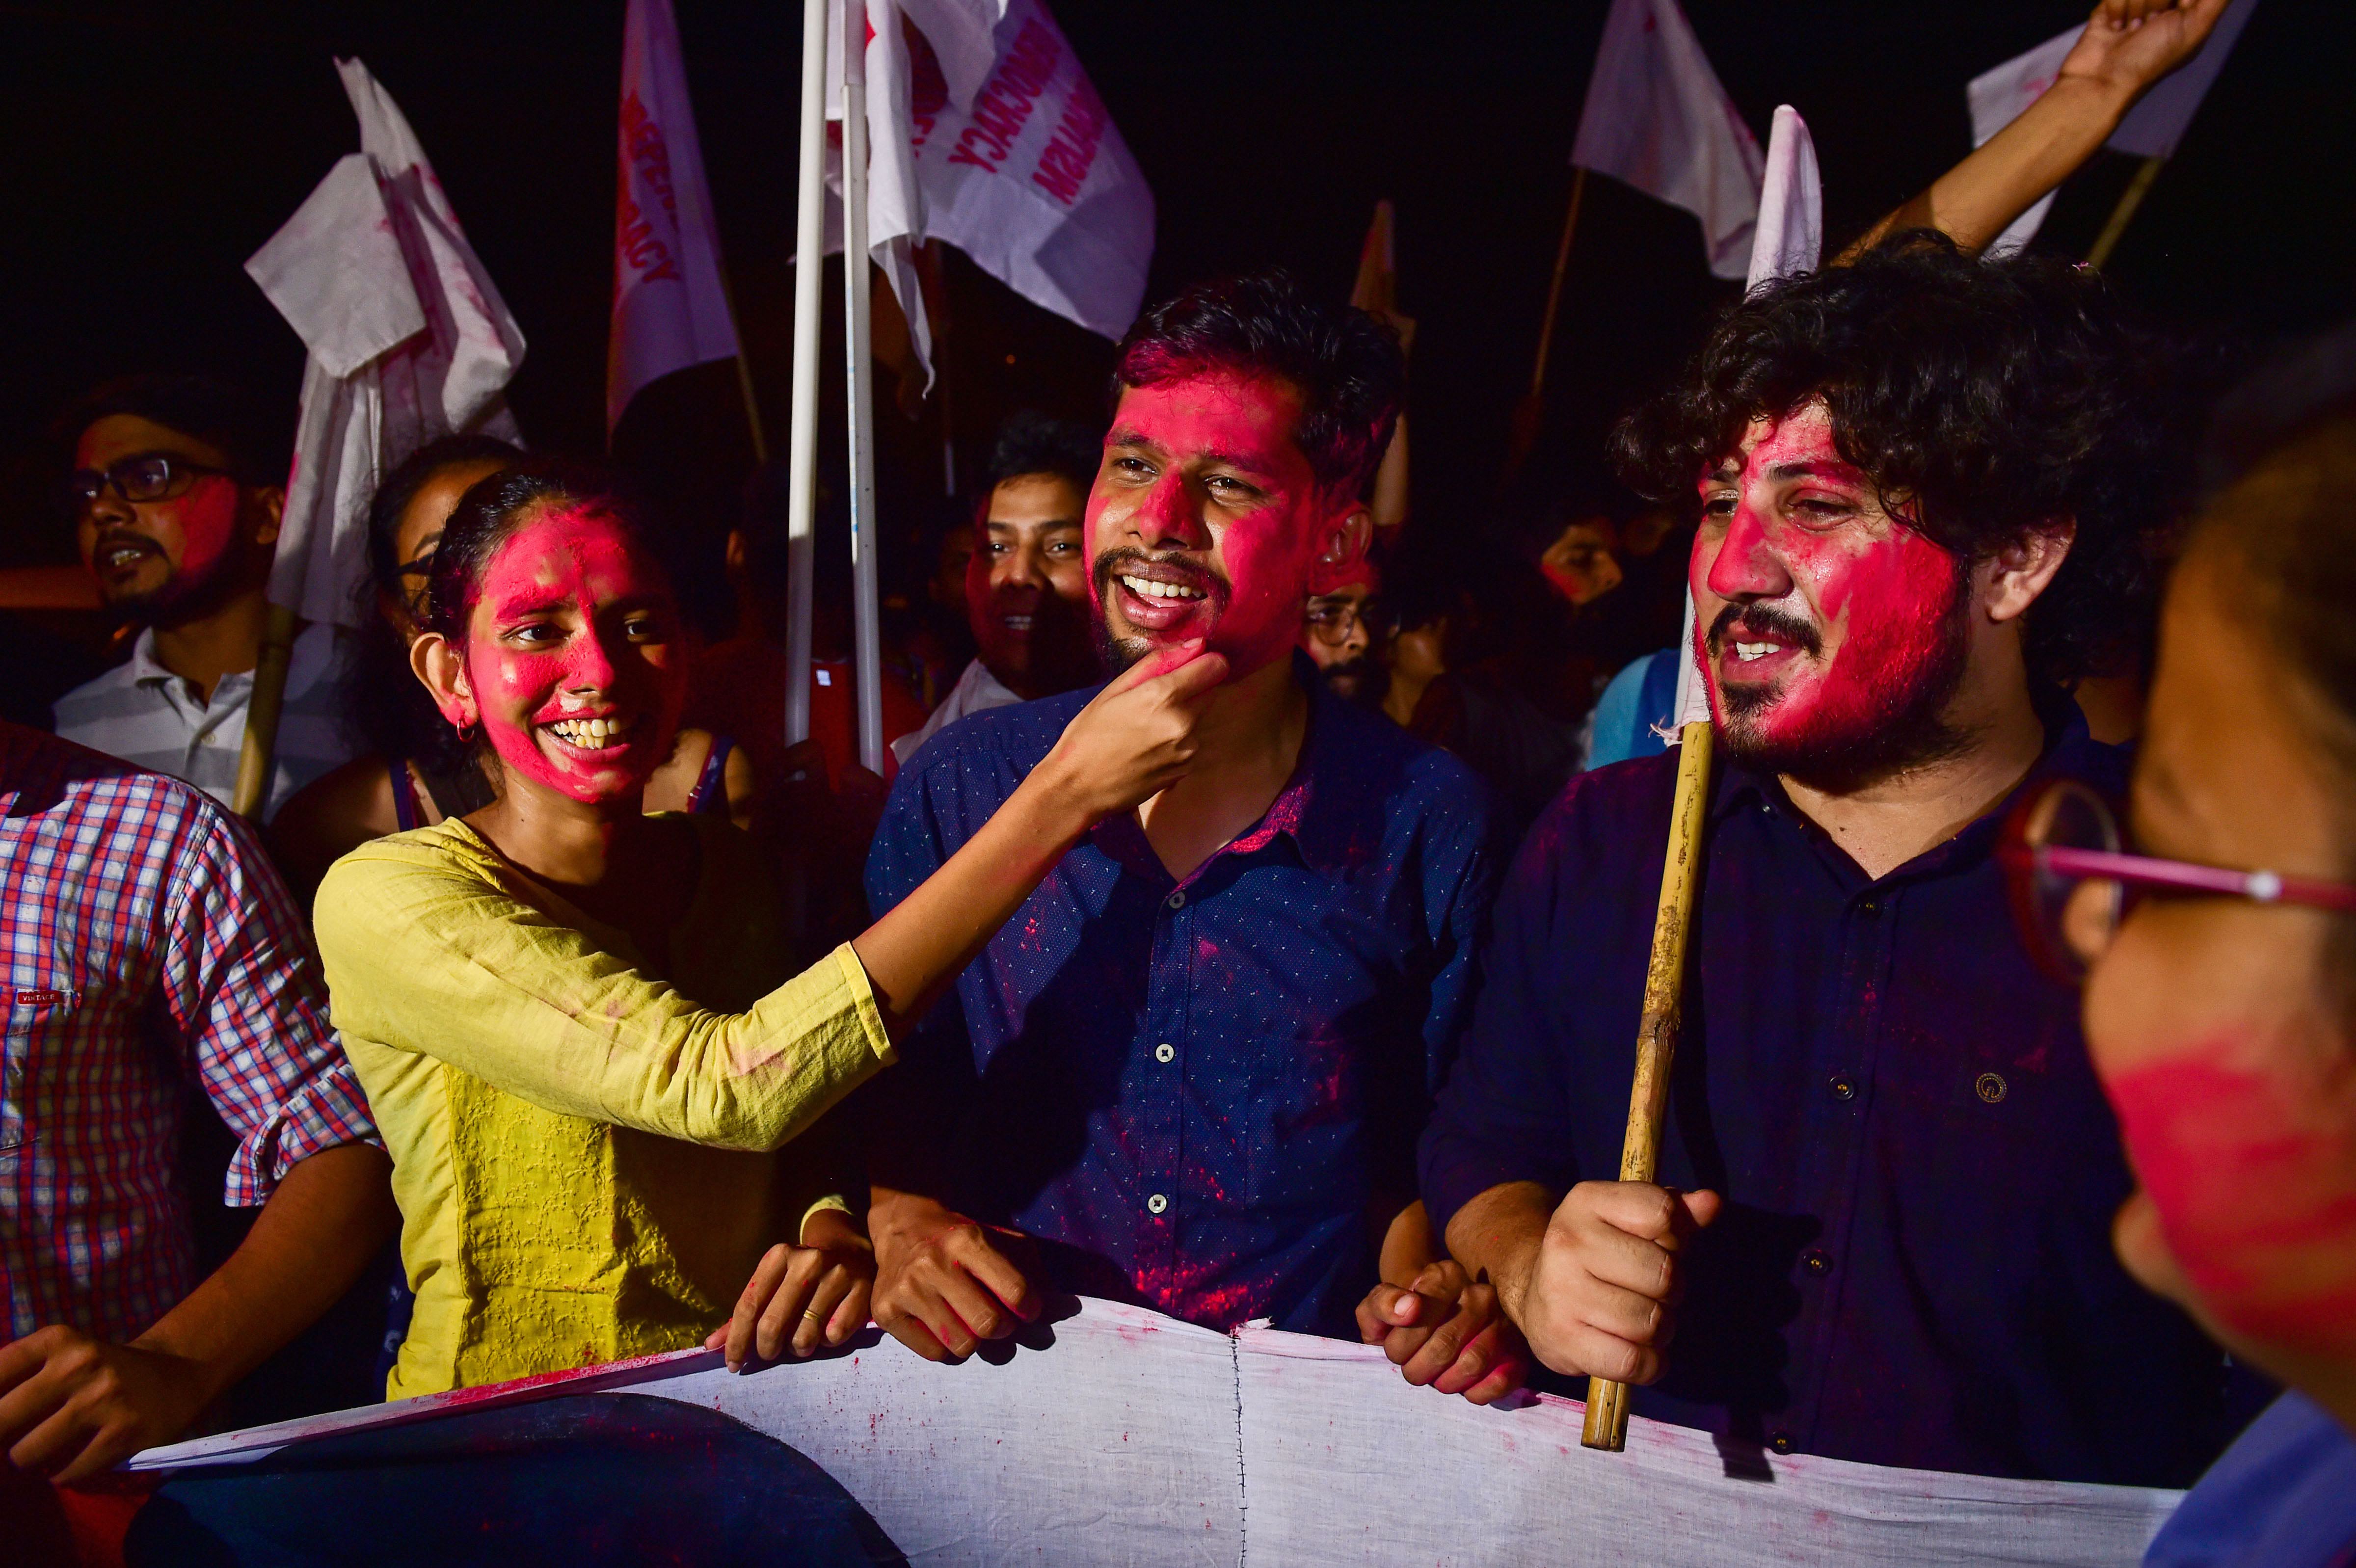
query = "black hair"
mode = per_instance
[
  {"x": 397, "y": 489},
  {"x": 220, "y": 413},
  {"x": 2284, "y": 528},
  {"x": 1984, "y": 399},
  {"x": 494, "y": 507},
  {"x": 1346, "y": 367},
  {"x": 384, "y": 703},
  {"x": 1031, "y": 442}
]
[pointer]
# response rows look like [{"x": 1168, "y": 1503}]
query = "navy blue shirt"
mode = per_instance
[
  {"x": 1193, "y": 1092},
  {"x": 1914, "y": 1265}
]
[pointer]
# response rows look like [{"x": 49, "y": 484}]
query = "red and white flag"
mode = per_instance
[
  {"x": 2151, "y": 130},
  {"x": 670, "y": 310},
  {"x": 407, "y": 340},
  {"x": 1657, "y": 117},
  {"x": 985, "y": 134}
]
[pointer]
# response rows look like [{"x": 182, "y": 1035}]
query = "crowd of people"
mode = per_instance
[{"x": 1253, "y": 916}]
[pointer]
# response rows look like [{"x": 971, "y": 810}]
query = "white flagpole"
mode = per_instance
[
  {"x": 859, "y": 363},
  {"x": 809, "y": 272}
]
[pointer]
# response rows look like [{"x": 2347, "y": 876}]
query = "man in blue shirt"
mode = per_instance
[
  {"x": 1191, "y": 1070},
  {"x": 1928, "y": 488}
]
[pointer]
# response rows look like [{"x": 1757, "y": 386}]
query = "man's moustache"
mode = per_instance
[{"x": 1765, "y": 624}]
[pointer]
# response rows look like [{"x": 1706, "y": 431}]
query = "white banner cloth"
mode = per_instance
[
  {"x": 407, "y": 340},
  {"x": 671, "y": 308},
  {"x": 1121, "y": 1436},
  {"x": 985, "y": 133},
  {"x": 2151, "y": 130},
  {"x": 1656, "y": 118}
]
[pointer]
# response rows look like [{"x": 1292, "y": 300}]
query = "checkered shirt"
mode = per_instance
[{"x": 146, "y": 946}]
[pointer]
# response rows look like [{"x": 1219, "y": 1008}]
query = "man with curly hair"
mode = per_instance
[{"x": 1931, "y": 490}]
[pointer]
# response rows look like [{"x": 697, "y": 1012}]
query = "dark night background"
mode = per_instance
[{"x": 151, "y": 148}]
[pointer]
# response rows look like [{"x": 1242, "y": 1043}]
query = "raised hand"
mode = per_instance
[
  {"x": 1136, "y": 738},
  {"x": 2128, "y": 44}
]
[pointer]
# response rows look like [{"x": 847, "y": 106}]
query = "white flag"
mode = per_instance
[
  {"x": 1657, "y": 117},
  {"x": 407, "y": 340},
  {"x": 985, "y": 133},
  {"x": 1790, "y": 238},
  {"x": 2151, "y": 130},
  {"x": 670, "y": 310}
]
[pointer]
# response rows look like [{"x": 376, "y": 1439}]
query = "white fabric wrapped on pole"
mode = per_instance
[
  {"x": 866, "y": 629},
  {"x": 406, "y": 336},
  {"x": 1657, "y": 117},
  {"x": 801, "y": 437}
]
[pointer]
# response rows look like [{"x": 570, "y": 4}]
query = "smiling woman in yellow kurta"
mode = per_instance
[{"x": 543, "y": 1099}]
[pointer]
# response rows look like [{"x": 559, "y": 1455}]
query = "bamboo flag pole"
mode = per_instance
[
  {"x": 1656, "y": 1035},
  {"x": 2129, "y": 199},
  {"x": 1554, "y": 287},
  {"x": 858, "y": 279},
  {"x": 809, "y": 272},
  {"x": 256, "y": 757}
]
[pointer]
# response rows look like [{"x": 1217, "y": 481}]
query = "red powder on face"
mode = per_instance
[
  {"x": 1879, "y": 605},
  {"x": 2254, "y": 1174},
  {"x": 208, "y": 517},
  {"x": 563, "y": 573}
]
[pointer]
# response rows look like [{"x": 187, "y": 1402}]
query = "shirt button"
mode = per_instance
[
  {"x": 1176, "y": 901},
  {"x": 1869, "y": 907},
  {"x": 1817, "y": 1260},
  {"x": 1155, "y": 1204},
  {"x": 1780, "y": 1442},
  {"x": 1990, "y": 1087},
  {"x": 1843, "y": 1086},
  {"x": 1165, "y": 1053}
]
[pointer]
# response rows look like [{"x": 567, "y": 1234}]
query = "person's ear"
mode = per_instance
[
  {"x": 1340, "y": 546},
  {"x": 2017, "y": 573},
  {"x": 443, "y": 671},
  {"x": 269, "y": 512}
]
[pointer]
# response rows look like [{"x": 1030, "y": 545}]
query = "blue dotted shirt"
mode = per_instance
[{"x": 1202, "y": 1095}]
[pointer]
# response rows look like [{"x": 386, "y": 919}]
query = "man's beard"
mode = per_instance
[
  {"x": 182, "y": 595},
  {"x": 1902, "y": 727},
  {"x": 1117, "y": 654},
  {"x": 1360, "y": 680}
]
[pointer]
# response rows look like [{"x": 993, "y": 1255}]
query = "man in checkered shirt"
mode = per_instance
[{"x": 147, "y": 946}]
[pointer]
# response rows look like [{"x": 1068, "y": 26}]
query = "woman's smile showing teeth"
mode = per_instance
[{"x": 593, "y": 734}]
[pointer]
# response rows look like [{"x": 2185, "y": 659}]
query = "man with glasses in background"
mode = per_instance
[
  {"x": 1930, "y": 491},
  {"x": 1338, "y": 636},
  {"x": 175, "y": 494}
]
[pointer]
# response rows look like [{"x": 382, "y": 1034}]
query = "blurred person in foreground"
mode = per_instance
[
  {"x": 175, "y": 494},
  {"x": 1189, "y": 1073},
  {"x": 1931, "y": 489},
  {"x": 2221, "y": 1002},
  {"x": 416, "y": 772},
  {"x": 152, "y": 957},
  {"x": 1026, "y": 582}
]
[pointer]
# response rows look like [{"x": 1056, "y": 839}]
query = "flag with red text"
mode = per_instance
[
  {"x": 2151, "y": 130},
  {"x": 406, "y": 337},
  {"x": 670, "y": 310},
  {"x": 986, "y": 135},
  {"x": 1656, "y": 118}
]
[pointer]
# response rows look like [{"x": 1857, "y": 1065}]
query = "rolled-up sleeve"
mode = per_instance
[
  {"x": 422, "y": 957},
  {"x": 1505, "y": 1116},
  {"x": 243, "y": 991}
]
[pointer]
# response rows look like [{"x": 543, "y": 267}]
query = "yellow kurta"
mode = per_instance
[{"x": 581, "y": 1152}]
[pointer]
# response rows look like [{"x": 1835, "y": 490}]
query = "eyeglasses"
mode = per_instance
[
  {"x": 143, "y": 477},
  {"x": 1332, "y": 620},
  {"x": 2072, "y": 881}
]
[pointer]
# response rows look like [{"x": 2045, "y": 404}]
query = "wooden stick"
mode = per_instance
[
  {"x": 1554, "y": 288},
  {"x": 1657, "y": 1036},
  {"x": 251, "y": 795},
  {"x": 2129, "y": 199}
]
